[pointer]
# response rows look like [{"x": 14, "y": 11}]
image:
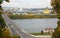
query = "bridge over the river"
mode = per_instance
[{"x": 14, "y": 29}]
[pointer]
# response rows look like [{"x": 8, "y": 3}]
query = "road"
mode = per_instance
[{"x": 15, "y": 30}]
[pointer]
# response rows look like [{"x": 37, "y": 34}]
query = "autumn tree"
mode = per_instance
[
  {"x": 56, "y": 6},
  {"x": 2, "y": 23}
]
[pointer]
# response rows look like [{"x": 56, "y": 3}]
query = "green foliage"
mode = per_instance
[
  {"x": 22, "y": 16},
  {"x": 56, "y": 5},
  {"x": 2, "y": 23},
  {"x": 0, "y": 32},
  {"x": 6, "y": 33},
  {"x": 1, "y": 1},
  {"x": 39, "y": 33},
  {"x": 15, "y": 36},
  {"x": 7, "y": 0},
  {"x": 56, "y": 34},
  {"x": 0, "y": 9}
]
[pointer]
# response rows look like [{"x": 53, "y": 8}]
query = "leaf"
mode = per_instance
[
  {"x": 1, "y": 1},
  {"x": 7, "y": 0}
]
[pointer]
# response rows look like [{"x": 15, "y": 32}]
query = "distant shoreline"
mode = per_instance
[{"x": 32, "y": 17}]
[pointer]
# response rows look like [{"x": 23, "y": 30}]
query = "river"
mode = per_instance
[{"x": 36, "y": 25}]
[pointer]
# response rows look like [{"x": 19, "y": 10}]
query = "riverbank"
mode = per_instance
[
  {"x": 32, "y": 16},
  {"x": 38, "y": 33}
]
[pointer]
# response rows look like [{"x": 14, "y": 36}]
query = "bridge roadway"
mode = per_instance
[{"x": 15, "y": 30}]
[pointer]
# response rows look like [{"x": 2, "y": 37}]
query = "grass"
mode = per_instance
[
  {"x": 40, "y": 33},
  {"x": 15, "y": 36},
  {"x": 32, "y": 17}
]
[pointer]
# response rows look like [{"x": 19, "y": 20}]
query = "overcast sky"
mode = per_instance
[{"x": 28, "y": 3}]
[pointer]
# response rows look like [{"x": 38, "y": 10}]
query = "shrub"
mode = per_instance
[
  {"x": 56, "y": 34},
  {"x": 6, "y": 33}
]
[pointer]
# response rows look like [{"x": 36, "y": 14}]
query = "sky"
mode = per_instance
[{"x": 28, "y": 3}]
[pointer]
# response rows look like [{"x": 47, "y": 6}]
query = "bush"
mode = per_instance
[
  {"x": 56, "y": 34},
  {"x": 6, "y": 33},
  {"x": 15, "y": 36}
]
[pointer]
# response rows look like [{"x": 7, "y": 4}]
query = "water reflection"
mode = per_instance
[{"x": 36, "y": 25}]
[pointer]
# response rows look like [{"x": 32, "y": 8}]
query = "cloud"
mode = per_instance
[{"x": 28, "y": 3}]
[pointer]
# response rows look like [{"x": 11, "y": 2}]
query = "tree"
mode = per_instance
[
  {"x": 56, "y": 6},
  {"x": 2, "y": 23}
]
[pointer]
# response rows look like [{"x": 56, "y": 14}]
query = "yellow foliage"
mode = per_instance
[
  {"x": 15, "y": 36},
  {"x": 6, "y": 33}
]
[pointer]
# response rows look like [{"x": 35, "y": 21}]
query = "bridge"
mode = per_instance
[{"x": 15, "y": 30}]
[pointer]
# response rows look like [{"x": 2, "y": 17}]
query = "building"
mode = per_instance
[{"x": 46, "y": 11}]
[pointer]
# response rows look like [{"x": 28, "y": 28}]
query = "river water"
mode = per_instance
[{"x": 36, "y": 25}]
